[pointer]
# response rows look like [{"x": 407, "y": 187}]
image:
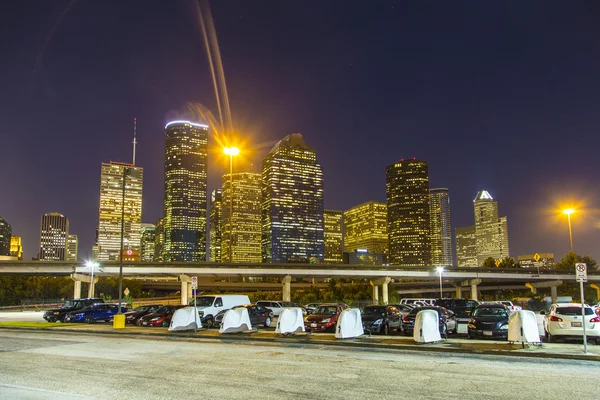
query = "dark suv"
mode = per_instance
[
  {"x": 58, "y": 314},
  {"x": 462, "y": 308}
]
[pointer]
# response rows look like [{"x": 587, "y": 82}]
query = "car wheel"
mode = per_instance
[
  {"x": 88, "y": 319},
  {"x": 62, "y": 318},
  {"x": 209, "y": 323},
  {"x": 385, "y": 329},
  {"x": 267, "y": 322},
  {"x": 165, "y": 324}
]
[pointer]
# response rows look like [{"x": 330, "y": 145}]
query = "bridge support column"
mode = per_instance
[
  {"x": 553, "y": 285},
  {"x": 458, "y": 288},
  {"x": 474, "y": 283},
  {"x": 384, "y": 289},
  {"x": 375, "y": 294},
  {"x": 92, "y": 288},
  {"x": 594, "y": 286},
  {"x": 286, "y": 291},
  {"x": 77, "y": 289},
  {"x": 77, "y": 279},
  {"x": 186, "y": 284}
]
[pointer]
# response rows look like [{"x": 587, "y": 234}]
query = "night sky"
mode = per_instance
[{"x": 502, "y": 96}]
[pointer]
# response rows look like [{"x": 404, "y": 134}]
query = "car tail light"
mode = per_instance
[
  {"x": 405, "y": 319},
  {"x": 555, "y": 319},
  {"x": 595, "y": 319}
]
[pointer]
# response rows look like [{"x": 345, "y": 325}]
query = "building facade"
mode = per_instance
[
  {"x": 241, "y": 230},
  {"x": 407, "y": 189},
  {"x": 292, "y": 203},
  {"x": 148, "y": 242},
  {"x": 365, "y": 227},
  {"x": 214, "y": 247},
  {"x": 186, "y": 154},
  {"x": 441, "y": 231},
  {"x": 16, "y": 247},
  {"x": 5, "y": 235},
  {"x": 72, "y": 248},
  {"x": 114, "y": 177},
  {"x": 491, "y": 232},
  {"x": 54, "y": 231},
  {"x": 466, "y": 246},
  {"x": 333, "y": 237},
  {"x": 159, "y": 240}
]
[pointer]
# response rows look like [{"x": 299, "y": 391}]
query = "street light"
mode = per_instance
[
  {"x": 231, "y": 152},
  {"x": 92, "y": 265},
  {"x": 569, "y": 211},
  {"x": 440, "y": 270}
]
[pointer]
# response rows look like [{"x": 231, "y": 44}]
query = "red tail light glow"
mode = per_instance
[
  {"x": 595, "y": 319},
  {"x": 555, "y": 319},
  {"x": 405, "y": 319}
]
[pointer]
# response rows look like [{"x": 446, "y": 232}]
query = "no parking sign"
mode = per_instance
[{"x": 581, "y": 272}]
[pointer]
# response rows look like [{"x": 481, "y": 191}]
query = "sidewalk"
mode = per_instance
[{"x": 571, "y": 350}]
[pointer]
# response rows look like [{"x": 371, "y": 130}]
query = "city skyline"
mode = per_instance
[{"x": 529, "y": 100}]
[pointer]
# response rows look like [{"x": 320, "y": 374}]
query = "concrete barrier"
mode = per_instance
[
  {"x": 349, "y": 324},
  {"x": 290, "y": 321},
  {"x": 236, "y": 320},
  {"x": 427, "y": 327}
]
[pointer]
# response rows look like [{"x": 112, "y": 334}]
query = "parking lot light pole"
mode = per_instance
[
  {"x": 92, "y": 265},
  {"x": 440, "y": 271}
]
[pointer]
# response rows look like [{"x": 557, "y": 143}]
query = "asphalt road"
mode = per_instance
[{"x": 46, "y": 365}]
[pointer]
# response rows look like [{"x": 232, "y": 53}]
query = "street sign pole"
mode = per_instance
[
  {"x": 581, "y": 276},
  {"x": 194, "y": 289}
]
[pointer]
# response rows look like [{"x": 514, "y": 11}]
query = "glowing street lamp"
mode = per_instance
[
  {"x": 440, "y": 270},
  {"x": 569, "y": 211},
  {"x": 231, "y": 152},
  {"x": 92, "y": 265}
]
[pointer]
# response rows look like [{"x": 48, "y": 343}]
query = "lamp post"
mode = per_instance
[
  {"x": 231, "y": 152},
  {"x": 92, "y": 265},
  {"x": 440, "y": 270},
  {"x": 569, "y": 211}
]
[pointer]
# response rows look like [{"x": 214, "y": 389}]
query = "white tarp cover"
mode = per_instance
[
  {"x": 183, "y": 320},
  {"x": 290, "y": 321},
  {"x": 427, "y": 327},
  {"x": 523, "y": 327},
  {"x": 349, "y": 324},
  {"x": 236, "y": 320}
]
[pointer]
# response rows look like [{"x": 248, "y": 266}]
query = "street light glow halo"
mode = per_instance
[
  {"x": 439, "y": 269},
  {"x": 231, "y": 151},
  {"x": 568, "y": 211}
]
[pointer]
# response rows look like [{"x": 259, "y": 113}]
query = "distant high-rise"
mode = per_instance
[
  {"x": 407, "y": 187},
  {"x": 333, "y": 236},
  {"x": 491, "y": 232},
  {"x": 292, "y": 203},
  {"x": 54, "y": 231},
  {"x": 5, "y": 235},
  {"x": 245, "y": 228},
  {"x": 365, "y": 227},
  {"x": 214, "y": 246},
  {"x": 466, "y": 247},
  {"x": 16, "y": 247},
  {"x": 159, "y": 239},
  {"x": 72, "y": 248},
  {"x": 111, "y": 209},
  {"x": 184, "y": 216},
  {"x": 148, "y": 242},
  {"x": 441, "y": 232}
]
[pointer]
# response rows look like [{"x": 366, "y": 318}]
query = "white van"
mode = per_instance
[
  {"x": 418, "y": 301},
  {"x": 210, "y": 305}
]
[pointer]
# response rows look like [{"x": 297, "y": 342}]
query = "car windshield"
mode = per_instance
[
  {"x": 203, "y": 301},
  {"x": 373, "y": 311},
  {"x": 163, "y": 310},
  {"x": 140, "y": 309},
  {"x": 573, "y": 311},
  {"x": 443, "y": 303},
  {"x": 489, "y": 312},
  {"x": 69, "y": 304},
  {"x": 326, "y": 310}
]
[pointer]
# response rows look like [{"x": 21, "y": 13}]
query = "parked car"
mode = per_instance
[
  {"x": 295, "y": 305},
  {"x": 275, "y": 306},
  {"x": 404, "y": 308},
  {"x": 132, "y": 316},
  {"x": 489, "y": 321},
  {"x": 58, "y": 314},
  {"x": 511, "y": 307},
  {"x": 447, "y": 320},
  {"x": 161, "y": 317},
  {"x": 210, "y": 305},
  {"x": 324, "y": 318},
  {"x": 310, "y": 307},
  {"x": 419, "y": 301},
  {"x": 381, "y": 319},
  {"x": 564, "y": 320},
  {"x": 259, "y": 315},
  {"x": 94, "y": 313},
  {"x": 462, "y": 308}
]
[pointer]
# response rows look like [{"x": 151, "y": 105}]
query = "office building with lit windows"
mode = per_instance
[
  {"x": 184, "y": 218},
  {"x": 466, "y": 246},
  {"x": 113, "y": 176},
  {"x": 72, "y": 248},
  {"x": 159, "y": 239},
  {"x": 214, "y": 246},
  {"x": 292, "y": 203},
  {"x": 147, "y": 242},
  {"x": 365, "y": 227},
  {"x": 244, "y": 224},
  {"x": 441, "y": 231},
  {"x": 16, "y": 247},
  {"x": 491, "y": 232},
  {"x": 54, "y": 232},
  {"x": 407, "y": 189},
  {"x": 333, "y": 237},
  {"x": 5, "y": 235}
]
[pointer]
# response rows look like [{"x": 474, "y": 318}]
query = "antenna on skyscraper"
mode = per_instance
[{"x": 134, "y": 139}]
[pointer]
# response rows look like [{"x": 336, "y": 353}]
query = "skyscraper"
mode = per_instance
[
  {"x": 54, "y": 231},
  {"x": 407, "y": 187},
  {"x": 159, "y": 240},
  {"x": 148, "y": 242},
  {"x": 333, "y": 220},
  {"x": 16, "y": 247},
  {"x": 441, "y": 232},
  {"x": 5, "y": 235},
  {"x": 245, "y": 228},
  {"x": 365, "y": 227},
  {"x": 214, "y": 246},
  {"x": 184, "y": 216},
  {"x": 292, "y": 203},
  {"x": 491, "y": 232},
  {"x": 72, "y": 248},
  {"x": 112, "y": 207},
  {"x": 466, "y": 247}
]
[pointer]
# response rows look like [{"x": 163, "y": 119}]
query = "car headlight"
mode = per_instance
[
  {"x": 155, "y": 319},
  {"x": 378, "y": 322},
  {"x": 504, "y": 327},
  {"x": 326, "y": 320},
  {"x": 56, "y": 312},
  {"x": 472, "y": 326}
]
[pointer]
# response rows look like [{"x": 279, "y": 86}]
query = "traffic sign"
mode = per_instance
[
  {"x": 194, "y": 282},
  {"x": 126, "y": 291},
  {"x": 497, "y": 263},
  {"x": 536, "y": 257},
  {"x": 581, "y": 272}
]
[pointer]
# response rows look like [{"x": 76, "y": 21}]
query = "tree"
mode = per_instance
[
  {"x": 489, "y": 263},
  {"x": 508, "y": 262},
  {"x": 569, "y": 260}
]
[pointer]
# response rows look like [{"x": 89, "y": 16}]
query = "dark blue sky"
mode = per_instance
[{"x": 502, "y": 96}]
